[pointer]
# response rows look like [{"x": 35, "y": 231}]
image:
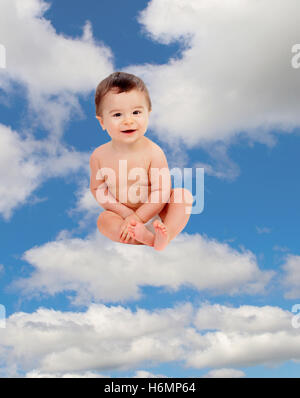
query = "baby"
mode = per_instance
[{"x": 158, "y": 213}]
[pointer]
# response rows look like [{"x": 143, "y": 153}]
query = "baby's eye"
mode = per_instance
[
  {"x": 137, "y": 112},
  {"x": 117, "y": 114}
]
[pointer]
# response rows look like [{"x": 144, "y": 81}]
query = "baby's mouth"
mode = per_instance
[{"x": 128, "y": 131}]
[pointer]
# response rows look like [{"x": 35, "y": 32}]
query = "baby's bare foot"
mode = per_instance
[
  {"x": 161, "y": 235},
  {"x": 139, "y": 232}
]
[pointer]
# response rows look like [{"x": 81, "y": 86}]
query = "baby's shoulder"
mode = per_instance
[
  {"x": 154, "y": 148},
  {"x": 99, "y": 151},
  {"x": 157, "y": 156}
]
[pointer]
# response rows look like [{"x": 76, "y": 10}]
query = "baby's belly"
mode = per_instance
[{"x": 132, "y": 196}]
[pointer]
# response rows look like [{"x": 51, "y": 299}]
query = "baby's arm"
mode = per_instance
[
  {"x": 160, "y": 187},
  {"x": 111, "y": 203}
]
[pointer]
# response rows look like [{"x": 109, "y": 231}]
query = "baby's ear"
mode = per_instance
[{"x": 100, "y": 121}]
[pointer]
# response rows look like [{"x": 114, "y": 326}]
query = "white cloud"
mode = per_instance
[
  {"x": 246, "y": 318},
  {"x": 263, "y": 230},
  {"x": 145, "y": 374},
  {"x": 222, "y": 166},
  {"x": 281, "y": 248},
  {"x": 104, "y": 339},
  {"x": 52, "y": 67},
  {"x": 35, "y": 374},
  {"x": 233, "y": 77},
  {"x": 25, "y": 163},
  {"x": 85, "y": 206},
  {"x": 88, "y": 375},
  {"x": 53, "y": 71},
  {"x": 18, "y": 171},
  {"x": 225, "y": 373},
  {"x": 244, "y": 336},
  {"x": 291, "y": 277},
  {"x": 98, "y": 269}
]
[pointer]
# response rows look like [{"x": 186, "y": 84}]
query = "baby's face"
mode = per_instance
[{"x": 125, "y": 111}]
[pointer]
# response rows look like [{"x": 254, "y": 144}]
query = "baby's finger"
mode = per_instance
[
  {"x": 127, "y": 237},
  {"x": 123, "y": 234}
]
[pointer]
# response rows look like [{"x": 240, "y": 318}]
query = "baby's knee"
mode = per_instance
[
  {"x": 102, "y": 219},
  {"x": 182, "y": 195},
  {"x": 187, "y": 197}
]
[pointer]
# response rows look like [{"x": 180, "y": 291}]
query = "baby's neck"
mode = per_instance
[{"x": 127, "y": 148}]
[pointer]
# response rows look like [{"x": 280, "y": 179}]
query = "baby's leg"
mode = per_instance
[
  {"x": 174, "y": 218},
  {"x": 109, "y": 224},
  {"x": 140, "y": 232}
]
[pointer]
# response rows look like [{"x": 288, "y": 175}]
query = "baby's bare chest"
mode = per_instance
[
  {"x": 127, "y": 179},
  {"x": 121, "y": 173}
]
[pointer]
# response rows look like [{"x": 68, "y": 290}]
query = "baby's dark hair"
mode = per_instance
[{"x": 123, "y": 82}]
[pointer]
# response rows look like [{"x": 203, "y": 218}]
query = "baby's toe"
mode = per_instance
[
  {"x": 133, "y": 223},
  {"x": 162, "y": 228},
  {"x": 155, "y": 223}
]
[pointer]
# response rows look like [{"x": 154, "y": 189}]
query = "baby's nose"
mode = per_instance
[{"x": 128, "y": 120}]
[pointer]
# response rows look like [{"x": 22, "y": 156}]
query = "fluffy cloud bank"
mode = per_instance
[
  {"x": 244, "y": 336},
  {"x": 97, "y": 269},
  {"x": 224, "y": 373},
  {"x": 53, "y": 68},
  {"x": 25, "y": 163},
  {"x": 104, "y": 339},
  {"x": 233, "y": 75},
  {"x": 291, "y": 276}
]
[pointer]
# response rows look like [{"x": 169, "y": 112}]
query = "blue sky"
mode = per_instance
[{"x": 217, "y": 302}]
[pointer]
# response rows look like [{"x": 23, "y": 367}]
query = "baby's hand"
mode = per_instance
[{"x": 124, "y": 235}]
